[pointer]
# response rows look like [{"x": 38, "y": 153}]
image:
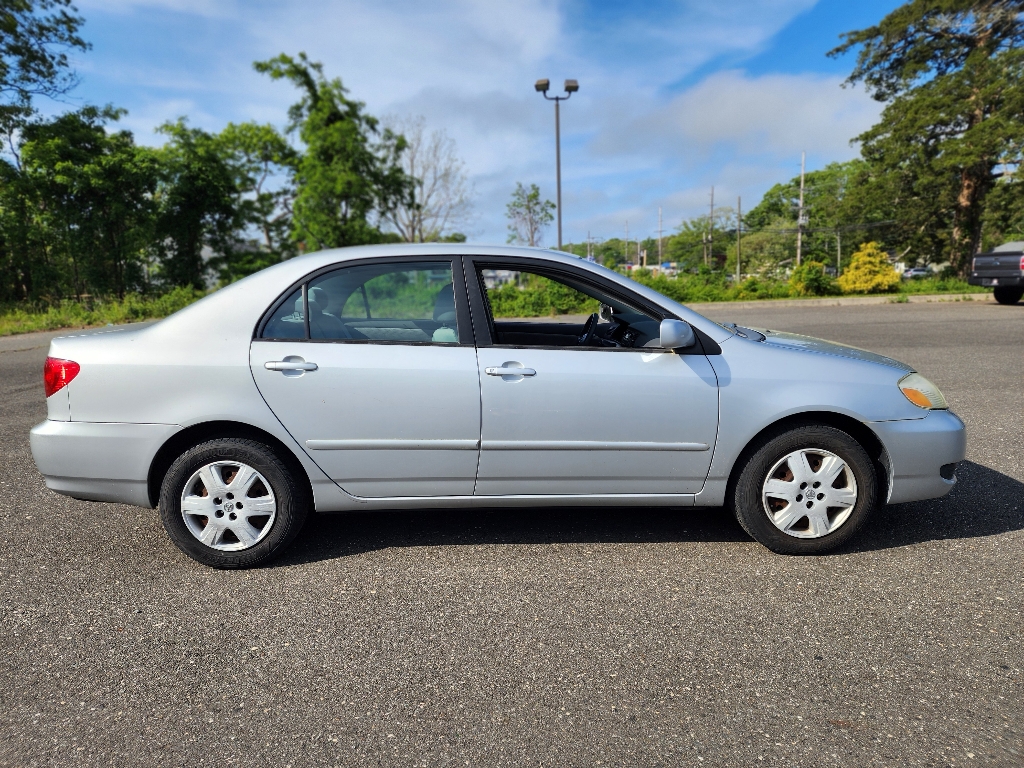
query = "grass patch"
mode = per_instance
[
  {"x": 940, "y": 285},
  {"x": 22, "y": 318}
]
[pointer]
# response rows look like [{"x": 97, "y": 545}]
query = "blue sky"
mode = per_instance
[{"x": 675, "y": 95}]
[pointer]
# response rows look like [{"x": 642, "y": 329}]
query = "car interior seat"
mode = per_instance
[
  {"x": 444, "y": 313},
  {"x": 321, "y": 324}
]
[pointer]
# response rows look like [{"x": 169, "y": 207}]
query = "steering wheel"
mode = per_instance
[{"x": 587, "y": 336}]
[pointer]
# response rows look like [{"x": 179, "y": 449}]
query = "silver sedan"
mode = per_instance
[{"x": 418, "y": 377}]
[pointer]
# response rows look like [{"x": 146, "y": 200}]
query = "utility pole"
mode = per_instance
[
  {"x": 800, "y": 213},
  {"x": 839, "y": 251},
  {"x": 661, "y": 260},
  {"x": 625, "y": 247},
  {"x": 739, "y": 235},
  {"x": 711, "y": 231}
]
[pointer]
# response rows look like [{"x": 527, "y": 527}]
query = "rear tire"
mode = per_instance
[
  {"x": 232, "y": 503},
  {"x": 1008, "y": 295},
  {"x": 805, "y": 491}
]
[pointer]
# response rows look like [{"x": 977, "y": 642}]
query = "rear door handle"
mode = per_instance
[
  {"x": 289, "y": 365},
  {"x": 510, "y": 371}
]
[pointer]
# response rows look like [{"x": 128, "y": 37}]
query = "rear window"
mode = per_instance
[{"x": 288, "y": 320}]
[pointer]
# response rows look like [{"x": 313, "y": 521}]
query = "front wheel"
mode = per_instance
[
  {"x": 805, "y": 491},
  {"x": 232, "y": 503},
  {"x": 1008, "y": 295}
]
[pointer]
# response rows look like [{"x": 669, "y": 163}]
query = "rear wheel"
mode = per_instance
[
  {"x": 232, "y": 503},
  {"x": 805, "y": 491},
  {"x": 1008, "y": 295}
]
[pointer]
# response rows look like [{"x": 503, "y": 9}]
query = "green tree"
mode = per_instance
[
  {"x": 1004, "y": 213},
  {"x": 768, "y": 251},
  {"x": 258, "y": 156},
  {"x": 349, "y": 170},
  {"x": 843, "y": 203},
  {"x": 76, "y": 209},
  {"x": 690, "y": 245},
  {"x": 950, "y": 73},
  {"x": 197, "y": 200},
  {"x": 528, "y": 216},
  {"x": 35, "y": 38}
]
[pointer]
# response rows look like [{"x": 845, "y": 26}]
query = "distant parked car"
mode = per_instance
[
  {"x": 1002, "y": 269},
  {"x": 383, "y": 377},
  {"x": 910, "y": 274}
]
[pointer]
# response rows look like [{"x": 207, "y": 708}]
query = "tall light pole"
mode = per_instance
[{"x": 571, "y": 86}]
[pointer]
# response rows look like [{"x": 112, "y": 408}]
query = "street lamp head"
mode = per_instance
[
  {"x": 571, "y": 86},
  {"x": 542, "y": 86}
]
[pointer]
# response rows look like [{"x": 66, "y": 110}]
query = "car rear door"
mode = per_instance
[
  {"x": 372, "y": 369},
  {"x": 586, "y": 420}
]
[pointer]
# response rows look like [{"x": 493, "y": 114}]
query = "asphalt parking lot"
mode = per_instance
[{"x": 537, "y": 637}]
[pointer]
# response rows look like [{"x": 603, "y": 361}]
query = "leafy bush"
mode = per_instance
[
  {"x": 810, "y": 279},
  {"x": 82, "y": 314},
  {"x": 539, "y": 297},
  {"x": 869, "y": 272}
]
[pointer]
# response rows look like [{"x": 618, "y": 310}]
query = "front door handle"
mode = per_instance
[
  {"x": 503, "y": 371},
  {"x": 289, "y": 365}
]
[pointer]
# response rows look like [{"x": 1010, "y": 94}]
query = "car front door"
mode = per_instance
[
  {"x": 371, "y": 368},
  {"x": 601, "y": 415}
]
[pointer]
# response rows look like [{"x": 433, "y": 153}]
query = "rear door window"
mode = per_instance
[{"x": 405, "y": 302}]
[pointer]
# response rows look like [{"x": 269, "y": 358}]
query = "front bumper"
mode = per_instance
[
  {"x": 98, "y": 462},
  {"x": 920, "y": 452}
]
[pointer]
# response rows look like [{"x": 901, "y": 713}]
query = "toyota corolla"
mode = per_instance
[{"x": 393, "y": 377}]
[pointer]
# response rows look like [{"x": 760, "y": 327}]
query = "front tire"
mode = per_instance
[
  {"x": 232, "y": 503},
  {"x": 1008, "y": 295},
  {"x": 806, "y": 491}
]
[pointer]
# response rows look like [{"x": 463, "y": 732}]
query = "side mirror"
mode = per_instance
[{"x": 675, "y": 334}]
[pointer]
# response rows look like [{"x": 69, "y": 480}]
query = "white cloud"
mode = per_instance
[
  {"x": 632, "y": 140},
  {"x": 207, "y": 8},
  {"x": 770, "y": 114}
]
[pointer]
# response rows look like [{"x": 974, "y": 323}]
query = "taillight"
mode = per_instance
[
  {"x": 58, "y": 373},
  {"x": 1022, "y": 263}
]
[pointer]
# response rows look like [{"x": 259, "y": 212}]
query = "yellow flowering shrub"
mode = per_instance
[{"x": 869, "y": 271}]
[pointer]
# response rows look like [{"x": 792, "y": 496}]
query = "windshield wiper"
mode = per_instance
[{"x": 746, "y": 333}]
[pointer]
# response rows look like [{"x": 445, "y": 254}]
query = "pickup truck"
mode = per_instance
[{"x": 1002, "y": 268}]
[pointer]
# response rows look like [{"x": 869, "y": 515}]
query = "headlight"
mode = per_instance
[{"x": 921, "y": 392}]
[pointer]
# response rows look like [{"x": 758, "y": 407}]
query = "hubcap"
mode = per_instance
[
  {"x": 809, "y": 493},
  {"x": 228, "y": 506}
]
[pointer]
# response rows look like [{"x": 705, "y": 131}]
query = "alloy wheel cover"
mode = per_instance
[
  {"x": 809, "y": 493},
  {"x": 228, "y": 506}
]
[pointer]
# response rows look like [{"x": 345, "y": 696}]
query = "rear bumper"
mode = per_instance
[
  {"x": 1000, "y": 281},
  {"x": 920, "y": 452},
  {"x": 98, "y": 462}
]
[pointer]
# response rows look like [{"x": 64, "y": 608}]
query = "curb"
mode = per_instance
[{"x": 847, "y": 301}]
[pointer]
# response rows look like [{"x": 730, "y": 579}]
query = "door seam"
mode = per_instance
[{"x": 480, "y": 441}]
